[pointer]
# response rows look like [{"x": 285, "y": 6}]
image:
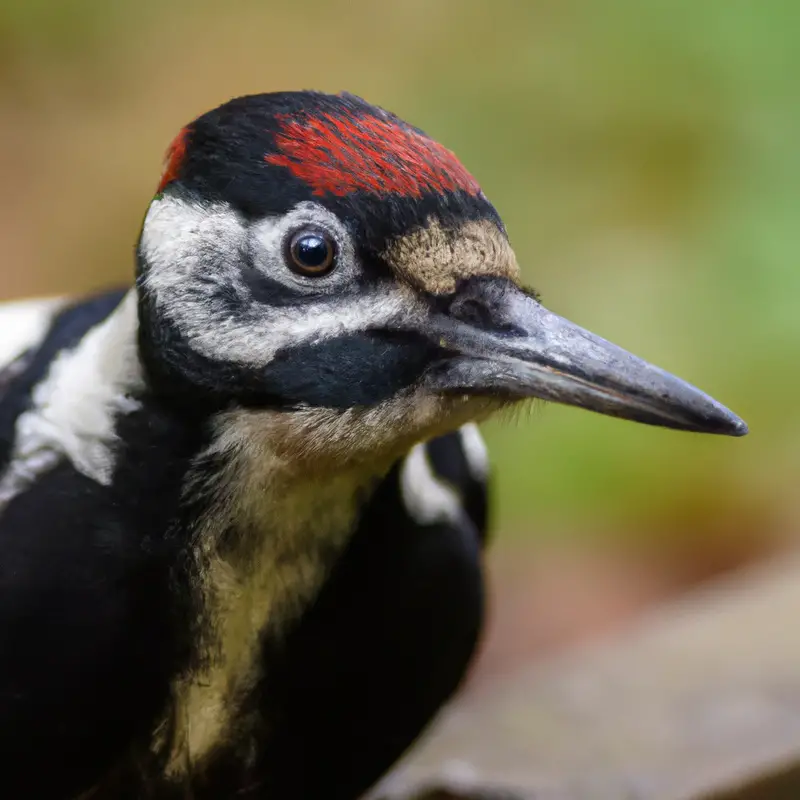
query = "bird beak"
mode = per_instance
[{"x": 500, "y": 341}]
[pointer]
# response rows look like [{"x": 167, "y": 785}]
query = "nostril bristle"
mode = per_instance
[
  {"x": 481, "y": 313},
  {"x": 472, "y": 311}
]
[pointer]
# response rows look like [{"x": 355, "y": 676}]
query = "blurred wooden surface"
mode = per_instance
[{"x": 698, "y": 701}]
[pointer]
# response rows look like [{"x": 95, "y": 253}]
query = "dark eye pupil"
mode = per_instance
[
  {"x": 311, "y": 250},
  {"x": 311, "y": 253}
]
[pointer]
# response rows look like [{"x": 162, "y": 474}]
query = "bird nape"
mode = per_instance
[{"x": 243, "y": 503}]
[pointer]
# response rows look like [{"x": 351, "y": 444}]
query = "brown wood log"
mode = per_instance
[{"x": 699, "y": 700}]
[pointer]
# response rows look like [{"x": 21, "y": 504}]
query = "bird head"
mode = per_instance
[{"x": 315, "y": 258}]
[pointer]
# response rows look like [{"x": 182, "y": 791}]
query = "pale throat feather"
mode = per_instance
[{"x": 259, "y": 580}]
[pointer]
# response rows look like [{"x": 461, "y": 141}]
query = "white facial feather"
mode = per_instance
[
  {"x": 76, "y": 405},
  {"x": 24, "y": 324},
  {"x": 191, "y": 249}
]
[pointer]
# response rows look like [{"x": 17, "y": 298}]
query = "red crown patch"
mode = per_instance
[
  {"x": 336, "y": 155},
  {"x": 175, "y": 155}
]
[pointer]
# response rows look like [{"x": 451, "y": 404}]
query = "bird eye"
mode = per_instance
[{"x": 311, "y": 253}]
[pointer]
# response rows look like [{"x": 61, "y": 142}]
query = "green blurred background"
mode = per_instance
[{"x": 644, "y": 155}]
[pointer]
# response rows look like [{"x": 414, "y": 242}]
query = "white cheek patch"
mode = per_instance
[
  {"x": 24, "y": 324},
  {"x": 314, "y": 323},
  {"x": 254, "y": 342},
  {"x": 428, "y": 500},
  {"x": 75, "y": 407},
  {"x": 180, "y": 238},
  {"x": 191, "y": 250}
]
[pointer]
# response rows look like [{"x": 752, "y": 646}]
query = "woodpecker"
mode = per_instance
[{"x": 243, "y": 502}]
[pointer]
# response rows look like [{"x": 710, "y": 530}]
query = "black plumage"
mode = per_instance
[
  {"x": 243, "y": 504},
  {"x": 93, "y": 610}
]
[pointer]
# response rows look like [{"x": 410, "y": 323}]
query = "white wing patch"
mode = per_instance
[
  {"x": 427, "y": 499},
  {"x": 76, "y": 405},
  {"x": 24, "y": 324},
  {"x": 475, "y": 451}
]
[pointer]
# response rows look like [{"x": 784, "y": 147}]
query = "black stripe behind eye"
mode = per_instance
[{"x": 273, "y": 293}]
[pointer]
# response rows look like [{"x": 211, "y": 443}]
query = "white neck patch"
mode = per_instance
[
  {"x": 76, "y": 405},
  {"x": 24, "y": 324}
]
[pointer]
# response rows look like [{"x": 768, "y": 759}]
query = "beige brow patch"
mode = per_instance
[{"x": 434, "y": 258}]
